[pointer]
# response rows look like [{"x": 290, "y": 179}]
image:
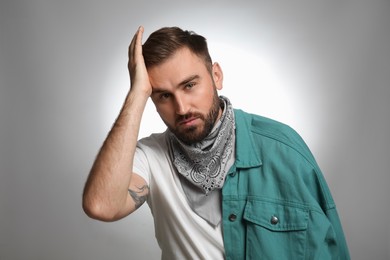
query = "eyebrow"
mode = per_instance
[
  {"x": 189, "y": 79},
  {"x": 182, "y": 83}
]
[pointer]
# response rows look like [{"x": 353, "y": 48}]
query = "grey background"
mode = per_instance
[{"x": 321, "y": 66}]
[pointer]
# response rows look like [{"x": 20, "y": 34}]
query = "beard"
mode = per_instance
[{"x": 194, "y": 134}]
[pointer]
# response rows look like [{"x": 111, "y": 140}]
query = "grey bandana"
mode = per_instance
[{"x": 206, "y": 163}]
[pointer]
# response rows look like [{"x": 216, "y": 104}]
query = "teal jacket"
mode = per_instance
[{"x": 276, "y": 203}]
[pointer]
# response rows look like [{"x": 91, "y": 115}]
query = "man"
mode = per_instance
[{"x": 221, "y": 183}]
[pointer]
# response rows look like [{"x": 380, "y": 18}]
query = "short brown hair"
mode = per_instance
[{"x": 164, "y": 42}]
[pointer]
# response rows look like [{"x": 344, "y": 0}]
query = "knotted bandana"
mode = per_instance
[{"x": 206, "y": 163}]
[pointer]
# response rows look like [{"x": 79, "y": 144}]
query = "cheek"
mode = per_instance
[
  {"x": 206, "y": 97},
  {"x": 165, "y": 112},
  {"x": 203, "y": 92},
  {"x": 160, "y": 110}
]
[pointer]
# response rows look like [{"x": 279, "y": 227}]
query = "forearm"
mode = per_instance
[{"x": 106, "y": 191}]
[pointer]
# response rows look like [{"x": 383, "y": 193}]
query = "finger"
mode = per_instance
[
  {"x": 139, "y": 36},
  {"x": 136, "y": 41}
]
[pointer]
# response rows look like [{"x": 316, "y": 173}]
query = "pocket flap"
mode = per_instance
[{"x": 275, "y": 216}]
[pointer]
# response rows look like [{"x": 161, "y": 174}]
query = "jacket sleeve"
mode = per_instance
[
  {"x": 336, "y": 245},
  {"x": 326, "y": 228},
  {"x": 342, "y": 247}
]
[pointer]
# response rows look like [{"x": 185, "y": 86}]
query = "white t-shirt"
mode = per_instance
[{"x": 180, "y": 232}]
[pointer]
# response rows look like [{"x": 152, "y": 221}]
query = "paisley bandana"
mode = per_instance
[{"x": 206, "y": 163}]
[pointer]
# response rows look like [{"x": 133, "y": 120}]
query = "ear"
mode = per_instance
[{"x": 217, "y": 75}]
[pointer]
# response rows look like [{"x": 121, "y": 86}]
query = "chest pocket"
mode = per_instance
[{"x": 274, "y": 230}]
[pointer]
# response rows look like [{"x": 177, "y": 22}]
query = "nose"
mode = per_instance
[{"x": 181, "y": 105}]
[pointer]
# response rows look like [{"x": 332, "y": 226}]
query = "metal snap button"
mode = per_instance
[
  {"x": 232, "y": 217},
  {"x": 274, "y": 220}
]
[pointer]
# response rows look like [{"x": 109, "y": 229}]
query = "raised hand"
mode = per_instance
[{"x": 138, "y": 74}]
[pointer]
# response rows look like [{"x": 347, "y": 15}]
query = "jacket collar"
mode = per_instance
[{"x": 247, "y": 154}]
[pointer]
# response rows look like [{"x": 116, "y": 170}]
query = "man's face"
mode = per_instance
[{"x": 185, "y": 95}]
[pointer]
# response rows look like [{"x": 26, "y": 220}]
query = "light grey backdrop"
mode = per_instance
[{"x": 321, "y": 66}]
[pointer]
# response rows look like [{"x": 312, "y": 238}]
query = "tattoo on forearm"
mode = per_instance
[{"x": 139, "y": 195}]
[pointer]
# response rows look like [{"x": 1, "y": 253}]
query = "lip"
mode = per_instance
[{"x": 188, "y": 121}]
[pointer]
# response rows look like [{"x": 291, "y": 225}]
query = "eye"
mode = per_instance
[
  {"x": 189, "y": 85},
  {"x": 165, "y": 96}
]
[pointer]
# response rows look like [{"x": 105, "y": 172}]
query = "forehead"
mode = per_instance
[{"x": 179, "y": 66}]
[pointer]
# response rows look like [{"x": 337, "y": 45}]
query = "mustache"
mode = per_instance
[{"x": 181, "y": 118}]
